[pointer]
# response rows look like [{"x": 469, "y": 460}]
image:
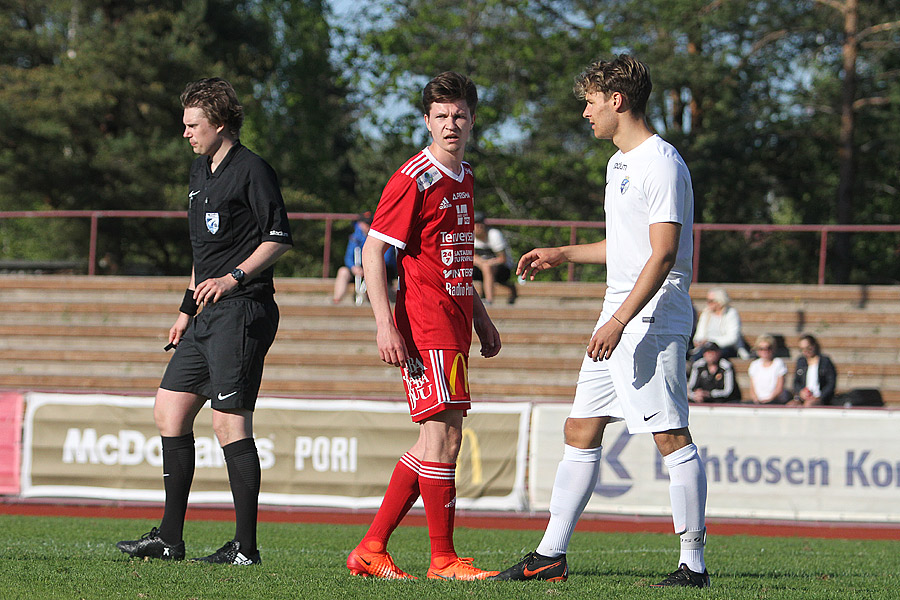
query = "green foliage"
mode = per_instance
[
  {"x": 748, "y": 91},
  {"x": 90, "y": 116},
  {"x": 48, "y": 558},
  {"x": 523, "y": 56}
]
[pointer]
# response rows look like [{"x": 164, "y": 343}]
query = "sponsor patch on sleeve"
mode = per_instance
[{"x": 428, "y": 178}]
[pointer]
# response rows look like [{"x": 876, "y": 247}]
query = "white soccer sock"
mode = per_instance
[
  {"x": 576, "y": 477},
  {"x": 687, "y": 488}
]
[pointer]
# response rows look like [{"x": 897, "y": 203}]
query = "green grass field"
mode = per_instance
[{"x": 55, "y": 557}]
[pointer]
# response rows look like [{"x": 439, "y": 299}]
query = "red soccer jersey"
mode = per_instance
[{"x": 427, "y": 213}]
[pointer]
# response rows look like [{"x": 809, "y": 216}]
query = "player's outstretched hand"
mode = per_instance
[
  {"x": 539, "y": 259},
  {"x": 489, "y": 336}
]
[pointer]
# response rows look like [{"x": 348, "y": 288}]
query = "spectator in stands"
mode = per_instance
[
  {"x": 493, "y": 261},
  {"x": 719, "y": 322},
  {"x": 352, "y": 266},
  {"x": 815, "y": 376},
  {"x": 767, "y": 374},
  {"x": 712, "y": 377}
]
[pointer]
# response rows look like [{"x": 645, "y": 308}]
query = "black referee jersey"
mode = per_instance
[{"x": 231, "y": 212}]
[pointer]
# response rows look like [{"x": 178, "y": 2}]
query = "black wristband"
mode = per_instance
[{"x": 188, "y": 304}]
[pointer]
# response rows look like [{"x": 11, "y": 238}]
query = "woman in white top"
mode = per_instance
[
  {"x": 767, "y": 374},
  {"x": 720, "y": 323}
]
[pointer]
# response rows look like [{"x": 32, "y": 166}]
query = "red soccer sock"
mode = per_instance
[
  {"x": 438, "y": 484},
  {"x": 401, "y": 494}
]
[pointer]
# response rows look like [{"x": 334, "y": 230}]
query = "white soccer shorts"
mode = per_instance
[{"x": 644, "y": 383}]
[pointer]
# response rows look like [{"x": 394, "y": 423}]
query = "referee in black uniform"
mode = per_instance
[{"x": 227, "y": 320}]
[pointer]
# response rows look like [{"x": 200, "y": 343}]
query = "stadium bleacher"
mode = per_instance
[{"x": 79, "y": 333}]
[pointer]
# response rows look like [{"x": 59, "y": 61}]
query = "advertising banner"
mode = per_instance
[
  {"x": 767, "y": 463},
  {"x": 10, "y": 441},
  {"x": 337, "y": 453}
]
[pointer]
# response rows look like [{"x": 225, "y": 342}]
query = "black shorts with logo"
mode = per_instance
[{"x": 221, "y": 354}]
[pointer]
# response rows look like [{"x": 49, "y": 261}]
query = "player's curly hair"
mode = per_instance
[
  {"x": 216, "y": 98},
  {"x": 624, "y": 74},
  {"x": 450, "y": 87}
]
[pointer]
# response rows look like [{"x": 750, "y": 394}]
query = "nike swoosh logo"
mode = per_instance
[
  {"x": 529, "y": 573},
  {"x": 221, "y": 397},
  {"x": 368, "y": 563},
  {"x": 645, "y": 418}
]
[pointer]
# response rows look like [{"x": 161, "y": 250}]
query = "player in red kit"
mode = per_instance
[{"x": 426, "y": 212}]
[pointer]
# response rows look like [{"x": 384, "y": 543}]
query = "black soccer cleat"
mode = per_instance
[
  {"x": 684, "y": 577},
  {"x": 535, "y": 566},
  {"x": 152, "y": 546},
  {"x": 231, "y": 554}
]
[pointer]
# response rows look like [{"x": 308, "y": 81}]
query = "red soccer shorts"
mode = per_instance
[{"x": 436, "y": 380}]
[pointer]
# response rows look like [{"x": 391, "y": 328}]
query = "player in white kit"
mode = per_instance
[{"x": 634, "y": 368}]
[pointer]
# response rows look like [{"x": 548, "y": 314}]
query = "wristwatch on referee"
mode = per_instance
[{"x": 238, "y": 276}]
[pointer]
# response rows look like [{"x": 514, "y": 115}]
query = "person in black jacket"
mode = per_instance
[
  {"x": 712, "y": 377},
  {"x": 815, "y": 377}
]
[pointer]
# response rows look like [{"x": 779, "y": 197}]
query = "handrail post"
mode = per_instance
[
  {"x": 573, "y": 238},
  {"x": 695, "y": 268},
  {"x": 326, "y": 252},
  {"x": 823, "y": 248},
  {"x": 92, "y": 250}
]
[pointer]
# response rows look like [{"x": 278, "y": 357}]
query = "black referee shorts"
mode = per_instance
[{"x": 221, "y": 354}]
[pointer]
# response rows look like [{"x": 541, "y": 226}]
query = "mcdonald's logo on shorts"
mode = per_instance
[{"x": 457, "y": 374}]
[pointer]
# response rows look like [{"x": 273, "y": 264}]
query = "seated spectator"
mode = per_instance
[
  {"x": 719, "y": 322},
  {"x": 712, "y": 377},
  {"x": 815, "y": 377},
  {"x": 767, "y": 374},
  {"x": 352, "y": 267},
  {"x": 493, "y": 260}
]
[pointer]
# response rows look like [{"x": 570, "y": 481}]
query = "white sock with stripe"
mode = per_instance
[{"x": 687, "y": 488}]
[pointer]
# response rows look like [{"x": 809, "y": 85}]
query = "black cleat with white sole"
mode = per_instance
[
  {"x": 684, "y": 577},
  {"x": 152, "y": 546},
  {"x": 231, "y": 554}
]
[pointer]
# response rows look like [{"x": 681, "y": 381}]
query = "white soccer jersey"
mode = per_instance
[{"x": 649, "y": 184}]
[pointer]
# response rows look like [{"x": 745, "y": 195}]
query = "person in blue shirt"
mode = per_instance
[{"x": 352, "y": 267}]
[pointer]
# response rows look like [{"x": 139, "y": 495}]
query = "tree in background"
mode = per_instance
[
  {"x": 785, "y": 111},
  {"x": 870, "y": 37},
  {"x": 731, "y": 85},
  {"x": 90, "y": 117}
]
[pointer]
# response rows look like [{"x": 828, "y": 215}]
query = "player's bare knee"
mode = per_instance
[
  {"x": 174, "y": 413},
  {"x": 673, "y": 440},
  {"x": 450, "y": 444},
  {"x": 584, "y": 433},
  {"x": 232, "y": 425}
]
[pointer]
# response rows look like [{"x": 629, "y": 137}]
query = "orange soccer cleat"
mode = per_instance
[
  {"x": 374, "y": 564},
  {"x": 460, "y": 570}
]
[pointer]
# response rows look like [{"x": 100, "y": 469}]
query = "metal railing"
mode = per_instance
[{"x": 573, "y": 227}]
